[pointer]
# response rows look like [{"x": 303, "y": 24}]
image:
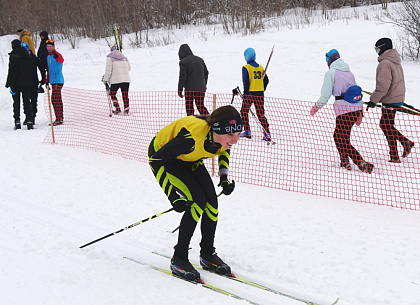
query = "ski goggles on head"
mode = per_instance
[{"x": 49, "y": 41}]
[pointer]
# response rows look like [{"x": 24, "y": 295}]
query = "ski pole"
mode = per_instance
[
  {"x": 126, "y": 228},
  {"x": 269, "y": 58},
  {"x": 109, "y": 99}
]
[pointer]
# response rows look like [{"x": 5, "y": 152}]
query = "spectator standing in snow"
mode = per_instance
[
  {"x": 56, "y": 79},
  {"x": 117, "y": 74},
  {"x": 337, "y": 81},
  {"x": 255, "y": 82},
  {"x": 35, "y": 64},
  {"x": 176, "y": 156},
  {"x": 25, "y": 36},
  {"x": 42, "y": 49},
  {"x": 193, "y": 75},
  {"x": 19, "y": 81},
  {"x": 390, "y": 91}
]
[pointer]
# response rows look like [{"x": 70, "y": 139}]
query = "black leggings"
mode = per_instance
[{"x": 192, "y": 180}]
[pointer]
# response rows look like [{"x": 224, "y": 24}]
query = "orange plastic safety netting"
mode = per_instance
[{"x": 303, "y": 159}]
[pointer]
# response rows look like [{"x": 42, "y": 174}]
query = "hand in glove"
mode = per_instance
[
  {"x": 314, "y": 109},
  {"x": 181, "y": 204},
  {"x": 227, "y": 186},
  {"x": 370, "y": 105},
  {"x": 180, "y": 94},
  {"x": 55, "y": 55}
]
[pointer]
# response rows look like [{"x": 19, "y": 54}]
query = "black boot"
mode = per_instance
[
  {"x": 29, "y": 125},
  {"x": 365, "y": 167},
  {"x": 17, "y": 124},
  {"x": 182, "y": 268},
  {"x": 214, "y": 263}
]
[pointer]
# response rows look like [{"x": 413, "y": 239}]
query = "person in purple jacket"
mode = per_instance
[{"x": 337, "y": 81}]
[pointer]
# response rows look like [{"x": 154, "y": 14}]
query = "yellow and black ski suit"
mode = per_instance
[{"x": 176, "y": 156}]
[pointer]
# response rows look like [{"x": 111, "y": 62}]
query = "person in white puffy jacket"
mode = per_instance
[{"x": 117, "y": 77}]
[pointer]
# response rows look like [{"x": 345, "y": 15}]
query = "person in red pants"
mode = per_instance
[
  {"x": 390, "y": 91},
  {"x": 55, "y": 77},
  {"x": 337, "y": 81}
]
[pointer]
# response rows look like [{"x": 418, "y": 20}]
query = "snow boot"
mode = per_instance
[
  {"x": 246, "y": 134},
  {"x": 214, "y": 263},
  {"x": 29, "y": 125},
  {"x": 407, "y": 149},
  {"x": 17, "y": 125},
  {"x": 345, "y": 164},
  {"x": 365, "y": 167},
  {"x": 182, "y": 268}
]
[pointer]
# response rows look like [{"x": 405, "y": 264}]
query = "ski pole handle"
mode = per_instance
[{"x": 126, "y": 228}]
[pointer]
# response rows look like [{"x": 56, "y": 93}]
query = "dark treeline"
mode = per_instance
[{"x": 94, "y": 18}]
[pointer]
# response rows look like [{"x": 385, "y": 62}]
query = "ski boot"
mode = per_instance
[
  {"x": 214, "y": 264},
  {"x": 345, "y": 164},
  {"x": 117, "y": 108},
  {"x": 182, "y": 268},
  {"x": 29, "y": 125},
  {"x": 267, "y": 137},
  {"x": 246, "y": 134}
]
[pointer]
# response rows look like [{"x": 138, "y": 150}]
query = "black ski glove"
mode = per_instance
[
  {"x": 55, "y": 55},
  {"x": 227, "y": 186},
  {"x": 181, "y": 204},
  {"x": 370, "y": 105}
]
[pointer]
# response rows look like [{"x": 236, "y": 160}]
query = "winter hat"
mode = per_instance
[
  {"x": 331, "y": 56},
  {"x": 16, "y": 44},
  {"x": 383, "y": 44},
  {"x": 44, "y": 34},
  {"x": 20, "y": 30},
  {"x": 250, "y": 54},
  {"x": 49, "y": 41},
  {"x": 114, "y": 47},
  {"x": 25, "y": 45},
  {"x": 228, "y": 125}
]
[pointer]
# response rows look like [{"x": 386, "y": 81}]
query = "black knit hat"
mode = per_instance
[
  {"x": 44, "y": 34},
  {"x": 16, "y": 44},
  {"x": 383, "y": 44}
]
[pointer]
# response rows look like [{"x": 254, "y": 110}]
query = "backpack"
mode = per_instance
[{"x": 353, "y": 94}]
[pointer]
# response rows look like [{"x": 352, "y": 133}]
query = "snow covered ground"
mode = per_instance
[{"x": 53, "y": 199}]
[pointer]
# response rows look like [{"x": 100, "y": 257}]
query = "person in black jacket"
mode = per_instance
[
  {"x": 19, "y": 80},
  {"x": 35, "y": 63},
  {"x": 42, "y": 54},
  {"x": 193, "y": 75}
]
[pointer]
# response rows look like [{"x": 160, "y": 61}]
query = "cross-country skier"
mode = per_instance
[
  {"x": 117, "y": 74},
  {"x": 337, "y": 80},
  {"x": 255, "y": 82},
  {"x": 176, "y": 156}
]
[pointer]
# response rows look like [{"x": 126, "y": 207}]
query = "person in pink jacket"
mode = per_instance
[
  {"x": 117, "y": 74},
  {"x": 390, "y": 91}
]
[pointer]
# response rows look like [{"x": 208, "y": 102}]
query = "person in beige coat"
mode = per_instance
[
  {"x": 117, "y": 77},
  {"x": 390, "y": 91}
]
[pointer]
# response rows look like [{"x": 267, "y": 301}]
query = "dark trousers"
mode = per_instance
[
  {"x": 258, "y": 102},
  {"x": 198, "y": 187},
  {"x": 57, "y": 101},
  {"x": 34, "y": 100},
  {"x": 26, "y": 104},
  {"x": 124, "y": 90},
  {"x": 343, "y": 125},
  {"x": 387, "y": 124},
  {"x": 198, "y": 97}
]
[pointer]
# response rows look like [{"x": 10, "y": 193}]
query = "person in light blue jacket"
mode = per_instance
[
  {"x": 337, "y": 80},
  {"x": 56, "y": 79}
]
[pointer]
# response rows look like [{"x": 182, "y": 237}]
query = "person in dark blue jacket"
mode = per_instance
[
  {"x": 19, "y": 82},
  {"x": 35, "y": 63},
  {"x": 255, "y": 82}
]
